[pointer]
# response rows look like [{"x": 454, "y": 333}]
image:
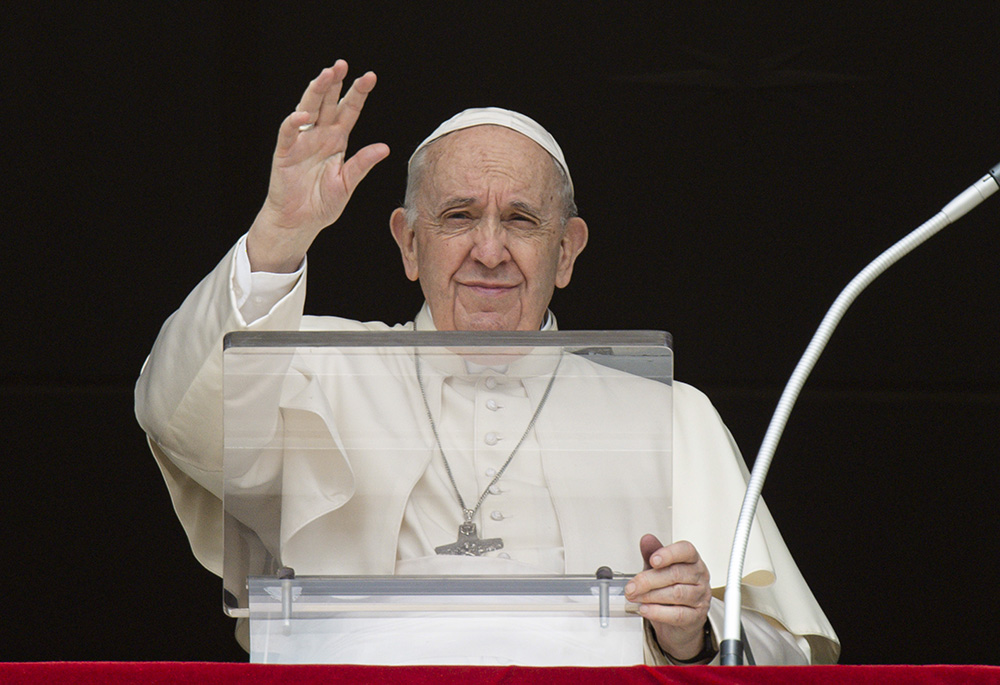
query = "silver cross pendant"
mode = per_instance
[{"x": 469, "y": 544}]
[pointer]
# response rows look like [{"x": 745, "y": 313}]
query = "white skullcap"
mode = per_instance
[{"x": 495, "y": 116}]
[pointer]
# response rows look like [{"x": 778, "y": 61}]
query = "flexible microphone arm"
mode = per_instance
[{"x": 731, "y": 647}]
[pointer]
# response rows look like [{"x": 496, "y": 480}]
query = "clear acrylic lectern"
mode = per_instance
[{"x": 400, "y": 497}]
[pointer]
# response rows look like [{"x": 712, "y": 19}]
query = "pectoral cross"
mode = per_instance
[{"x": 469, "y": 544}]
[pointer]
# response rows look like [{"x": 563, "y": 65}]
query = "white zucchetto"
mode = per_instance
[{"x": 495, "y": 116}]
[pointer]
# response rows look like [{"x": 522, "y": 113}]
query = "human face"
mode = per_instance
[{"x": 488, "y": 243}]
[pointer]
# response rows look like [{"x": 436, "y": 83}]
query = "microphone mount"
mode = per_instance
[{"x": 731, "y": 647}]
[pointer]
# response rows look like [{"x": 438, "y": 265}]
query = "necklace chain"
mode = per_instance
[{"x": 467, "y": 513}]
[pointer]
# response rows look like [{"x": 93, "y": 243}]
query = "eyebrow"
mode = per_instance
[
  {"x": 454, "y": 202},
  {"x": 525, "y": 207},
  {"x": 457, "y": 202}
]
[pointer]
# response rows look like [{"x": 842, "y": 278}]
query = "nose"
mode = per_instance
[{"x": 489, "y": 246}]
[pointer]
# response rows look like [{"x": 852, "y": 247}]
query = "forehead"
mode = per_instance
[{"x": 490, "y": 157}]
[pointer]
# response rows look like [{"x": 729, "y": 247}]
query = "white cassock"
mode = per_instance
[{"x": 179, "y": 404}]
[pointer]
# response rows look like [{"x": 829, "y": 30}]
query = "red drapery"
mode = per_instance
[{"x": 155, "y": 673}]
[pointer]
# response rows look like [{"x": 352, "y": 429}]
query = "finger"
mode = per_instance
[
  {"x": 350, "y": 106},
  {"x": 677, "y": 594},
  {"x": 358, "y": 166},
  {"x": 694, "y": 575},
  {"x": 682, "y": 552},
  {"x": 683, "y": 617},
  {"x": 324, "y": 89},
  {"x": 289, "y": 131}
]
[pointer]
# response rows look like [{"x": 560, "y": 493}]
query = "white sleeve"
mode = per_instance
[
  {"x": 770, "y": 644},
  {"x": 257, "y": 292},
  {"x": 178, "y": 397}
]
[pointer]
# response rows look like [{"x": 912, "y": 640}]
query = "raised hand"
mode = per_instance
[{"x": 312, "y": 178}]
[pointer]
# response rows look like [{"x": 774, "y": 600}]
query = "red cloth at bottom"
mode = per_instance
[{"x": 155, "y": 673}]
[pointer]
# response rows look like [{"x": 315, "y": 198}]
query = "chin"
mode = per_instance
[
  {"x": 488, "y": 321},
  {"x": 487, "y": 325}
]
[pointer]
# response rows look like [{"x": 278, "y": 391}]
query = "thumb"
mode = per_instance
[
  {"x": 647, "y": 545},
  {"x": 358, "y": 166}
]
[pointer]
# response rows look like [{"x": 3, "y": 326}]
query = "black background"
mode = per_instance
[{"x": 737, "y": 165}]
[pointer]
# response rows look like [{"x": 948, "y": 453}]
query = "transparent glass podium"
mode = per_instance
[{"x": 406, "y": 497}]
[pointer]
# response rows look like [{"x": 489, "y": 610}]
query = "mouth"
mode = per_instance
[{"x": 489, "y": 289}]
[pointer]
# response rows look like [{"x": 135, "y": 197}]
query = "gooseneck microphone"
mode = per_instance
[{"x": 731, "y": 647}]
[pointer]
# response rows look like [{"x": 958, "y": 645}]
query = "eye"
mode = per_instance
[
  {"x": 456, "y": 221},
  {"x": 522, "y": 221},
  {"x": 456, "y": 218}
]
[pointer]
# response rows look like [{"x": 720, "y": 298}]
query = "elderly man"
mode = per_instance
[{"x": 489, "y": 229}]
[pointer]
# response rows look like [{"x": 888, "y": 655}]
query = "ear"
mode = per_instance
[
  {"x": 407, "y": 241},
  {"x": 574, "y": 239}
]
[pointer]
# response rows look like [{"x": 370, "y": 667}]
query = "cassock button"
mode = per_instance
[
  {"x": 496, "y": 516},
  {"x": 491, "y": 438},
  {"x": 491, "y": 382},
  {"x": 503, "y": 555},
  {"x": 492, "y": 405},
  {"x": 495, "y": 489},
  {"x": 490, "y": 472}
]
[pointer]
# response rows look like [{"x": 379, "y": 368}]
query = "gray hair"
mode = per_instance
[{"x": 418, "y": 168}]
